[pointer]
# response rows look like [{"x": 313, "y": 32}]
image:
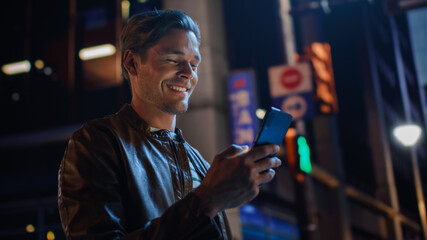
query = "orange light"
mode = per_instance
[
  {"x": 39, "y": 64},
  {"x": 320, "y": 56},
  {"x": 50, "y": 235},
  {"x": 291, "y": 152},
  {"x": 291, "y": 149},
  {"x": 30, "y": 228}
]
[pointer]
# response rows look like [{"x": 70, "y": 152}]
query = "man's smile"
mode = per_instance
[{"x": 178, "y": 88}]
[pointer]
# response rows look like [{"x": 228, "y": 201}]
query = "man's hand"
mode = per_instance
[{"x": 235, "y": 176}]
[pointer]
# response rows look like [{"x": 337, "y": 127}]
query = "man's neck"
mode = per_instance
[{"x": 154, "y": 116}]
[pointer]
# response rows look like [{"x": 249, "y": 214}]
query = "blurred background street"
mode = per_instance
[{"x": 350, "y": 72}]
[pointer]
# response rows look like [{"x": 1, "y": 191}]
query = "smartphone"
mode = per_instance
[{"x": 273, "y": 128}]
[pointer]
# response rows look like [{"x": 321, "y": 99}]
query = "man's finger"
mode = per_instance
[
  {"x": 264, "y": 151},
  {"x": 266, "y": 176},
  {"x": 268, "y": 163}
]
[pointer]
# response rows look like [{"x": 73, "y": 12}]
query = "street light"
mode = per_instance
[
  {"x": 260, "y": 113},
  {"x": 407, "y": 134}
]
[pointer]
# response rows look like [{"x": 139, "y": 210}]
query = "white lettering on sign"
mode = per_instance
[
  {"x": 291, "y": 78},
  {"x": 244, "y": 117},
  {"x": 243, "y": 120},
  {"x": 240, "y": 99},
  {"x": 295, "y": 105},
  {"x": 243, "y": 136}
]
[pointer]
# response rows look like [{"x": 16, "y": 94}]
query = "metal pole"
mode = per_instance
[
  {"x": 305, "y": 208},
  {"x": 386, "y": 144},
  {"x": 304, "y": 190},
  {"x": 288, "y": 31},
  {"x": 407, "y": 110}
]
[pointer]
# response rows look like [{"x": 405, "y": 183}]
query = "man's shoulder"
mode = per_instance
[
  {"x": 99, "y": 126},
  {"x": 108, "y": 121},
  {"x": 105, "y": 125}
]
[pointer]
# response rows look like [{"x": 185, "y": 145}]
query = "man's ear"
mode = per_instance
[{"x": 129, "y": 62}]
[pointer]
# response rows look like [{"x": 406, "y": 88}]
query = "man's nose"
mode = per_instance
[{"x": 186, "y": 71}]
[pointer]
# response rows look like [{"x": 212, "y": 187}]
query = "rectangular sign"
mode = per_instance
[
  {"x": 299, "y": 105},
  {"x": 242, "y": 107},
  {"x": 291, "y": 89},
  {"x": 288, "y": 79}
]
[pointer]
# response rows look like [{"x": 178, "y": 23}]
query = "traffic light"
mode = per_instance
[
  {"x": 298, "y": 155},
  {"x": 304, "y": 155}
]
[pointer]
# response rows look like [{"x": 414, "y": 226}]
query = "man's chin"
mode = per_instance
[
  {"x": 177, "y": 109},
  {"x": 176, "y": 112}
]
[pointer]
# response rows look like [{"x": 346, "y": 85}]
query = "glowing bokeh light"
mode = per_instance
[
  {"x": 125, "y": 9},
  {"x": 260, "y": 113},
  {"x": 50, "y": 235},
  {"x": 39, "y": 64},
  {"x": 97, "y": 52},
  {"x": 15, "y": 96},
  {"x": 407, "y": 134},
  {"x": 30, "y": 228},
  {"x": 16, "y": 67}
]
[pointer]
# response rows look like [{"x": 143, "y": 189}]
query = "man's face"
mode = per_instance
[{"x": 168, "y": 74}]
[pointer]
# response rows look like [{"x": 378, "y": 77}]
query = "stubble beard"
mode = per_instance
[
  {"x": 173, "y": 108},
  {"x": 156, "y": 99}
]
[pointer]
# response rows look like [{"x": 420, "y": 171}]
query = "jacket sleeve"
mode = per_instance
[{"x": 91, "y": 196}]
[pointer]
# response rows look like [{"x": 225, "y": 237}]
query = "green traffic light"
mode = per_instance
[{"x": 304, "y": 153}]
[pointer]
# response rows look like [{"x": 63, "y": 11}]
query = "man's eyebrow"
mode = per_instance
[{"x": 181, "y": 53}]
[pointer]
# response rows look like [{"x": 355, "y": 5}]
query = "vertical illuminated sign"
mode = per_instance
[{"x": 242, "y": 107}]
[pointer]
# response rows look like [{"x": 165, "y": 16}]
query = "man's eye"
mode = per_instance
[
  {"x": 171, "y": 61},
  {"x": 194, "y": 67}
]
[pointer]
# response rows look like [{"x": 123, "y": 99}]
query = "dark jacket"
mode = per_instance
[{"x": 119, "y": 180}]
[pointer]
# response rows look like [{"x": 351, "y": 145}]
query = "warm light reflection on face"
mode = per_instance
[{"x": 167, "y": 76}]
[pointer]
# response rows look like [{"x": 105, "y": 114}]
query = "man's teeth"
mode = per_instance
[{"x": 176, "y": 88}]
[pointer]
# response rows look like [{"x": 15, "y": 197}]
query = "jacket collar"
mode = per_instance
[{"x": 128, "y": 113}]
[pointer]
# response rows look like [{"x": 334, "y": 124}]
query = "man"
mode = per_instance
[{"x": 129, "y": 175}]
